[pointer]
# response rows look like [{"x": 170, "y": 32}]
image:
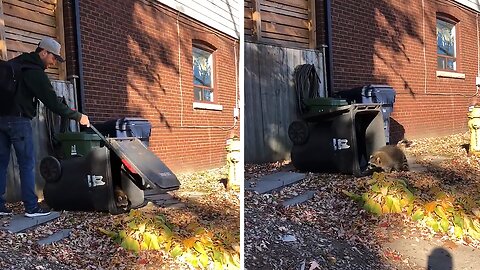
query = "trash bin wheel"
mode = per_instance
[
  {"x": 298, "y": 132},
  {"x": 50, "y": 169}
]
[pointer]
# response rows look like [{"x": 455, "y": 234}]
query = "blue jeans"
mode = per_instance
[{"x": 17, "y": 131}]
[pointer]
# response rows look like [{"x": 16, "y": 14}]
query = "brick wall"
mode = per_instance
[
  {"x": 136, "y": 65},
  {"x": 394, "y": 42}
]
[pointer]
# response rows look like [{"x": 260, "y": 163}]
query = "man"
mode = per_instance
[{"x": 15, "y": 126}]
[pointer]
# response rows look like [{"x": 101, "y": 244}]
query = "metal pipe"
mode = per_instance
[
  {"x": 78, "y": 47},
  {"x": 329, "y": 33}
]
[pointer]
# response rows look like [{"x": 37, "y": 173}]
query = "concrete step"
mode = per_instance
[
  {"x": 19, "y": 223},
  {"x": 299, "y": 199},
  {"x": 274, "y": 181}
]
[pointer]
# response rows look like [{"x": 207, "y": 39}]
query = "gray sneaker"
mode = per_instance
[
  {"x": 37, "y": 212},
  {"x": 4, "y": 211}
]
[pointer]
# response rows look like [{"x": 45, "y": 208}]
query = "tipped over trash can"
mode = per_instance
[
  {"x": 340, "y": 139},
  {"x": 91, "y": 182},
  {"x": 373, "y": 93}
]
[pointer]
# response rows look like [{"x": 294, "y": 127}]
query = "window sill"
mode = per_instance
[
  {"x": 448, "y": 74},
  {"x": 207, "y": 106}
]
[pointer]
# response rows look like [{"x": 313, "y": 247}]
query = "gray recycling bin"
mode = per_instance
[
  {"x": 373, "y": 93},
  {"x": 340, "y": 139}
]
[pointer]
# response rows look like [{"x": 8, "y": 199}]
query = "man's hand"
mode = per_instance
[{"x": 84, "y": 120}]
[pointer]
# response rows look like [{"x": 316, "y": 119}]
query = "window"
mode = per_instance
[
  {"x": 203, "y": 74},
  {"x": 446, "y": 50}
]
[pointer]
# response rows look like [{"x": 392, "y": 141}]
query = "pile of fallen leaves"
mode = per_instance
[
  {"x": 203, "y": 234},
  {"x": 332, "y": 231}
]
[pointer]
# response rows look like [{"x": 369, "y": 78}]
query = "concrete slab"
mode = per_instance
[
  {"x": 434, "y": 254},
  {"x": 299, "y": 199},
  {"x": 176, "y": 206},
  {"x": 19, "y": 223},
  {"x": 154, "y": 191},
  {"x": 165, "y": 202},
  {"x": 158, "y": 197},
  {"x": 274, "y": 181},
  {"x": 55, "y": 237}
]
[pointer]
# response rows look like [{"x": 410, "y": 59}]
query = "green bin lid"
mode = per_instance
[
  {"x": 325, "y": 102},
  {"x": 78, "y": 136}
]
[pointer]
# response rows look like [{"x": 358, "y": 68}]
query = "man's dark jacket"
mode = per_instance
[{"x": 35, "y": 85}]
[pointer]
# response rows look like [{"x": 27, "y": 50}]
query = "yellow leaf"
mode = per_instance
[
  {"x": 132, "y": 225},
  {"x": 203, "y": 260},
  {"x": 409, "y": 209},
  {"x": 375, "y": 188},
  {"x": 384, "y": 190},
  {"x": 385, "y": 209},
  {"x": 130, "y": 244},
  {"x": 218, "y": 265},
  {"x": 429, "y": 207},
  {"x": 176, "y": 251},
  {"x": 143, "y": 245},
  {"x": 189, "y": 242},
  {"x": 396, "y": 206},
  {"x": 418, "y": 215},
  {"x": 122, "y": 234},
  {"x": 200, "y": 231},
  {"x": 152, "y": 241},
  {"x": 141, "y": 228},
  {"x": 168, "y": 245},
  {"x": 458, "y": 232},
  {"x": 199, "y": 247},
  {"x": 440, "y": 212},
  {"x": 444, "y": 224},
  {"x": 191, "y": 259},
  {"x": 217, "y": 256}
]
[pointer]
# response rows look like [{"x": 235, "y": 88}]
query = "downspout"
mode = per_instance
[
  {"x": 329, "y": 56},
  {"x": 78, "y": 47}
]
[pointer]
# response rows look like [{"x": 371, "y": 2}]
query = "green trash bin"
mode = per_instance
[
  {"x": 320, "y": 105},
  {"x": 77, "y": 143}
]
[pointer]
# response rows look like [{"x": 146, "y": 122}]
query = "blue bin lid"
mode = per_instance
[{"x": 384, "y": 94}]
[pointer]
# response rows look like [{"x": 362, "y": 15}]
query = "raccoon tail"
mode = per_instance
[{"x": 405, "y": 166}]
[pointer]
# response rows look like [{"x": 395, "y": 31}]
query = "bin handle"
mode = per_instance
[{"x": 107, "y": 143}]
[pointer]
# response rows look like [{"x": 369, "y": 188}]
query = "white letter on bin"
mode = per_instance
[
  {"x": 340, "y": 144},
  {"x": 95, "y": 180}
]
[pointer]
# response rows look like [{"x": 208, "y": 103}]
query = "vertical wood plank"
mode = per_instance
[
  {"x": 312, "y": 24},
  {"x": 257, "y": 19},
  {"x": 61, "y": 38},
  {"x": 3, "y": 43}
]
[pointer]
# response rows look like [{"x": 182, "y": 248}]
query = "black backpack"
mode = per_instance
[{"x": 10, "y": 76}]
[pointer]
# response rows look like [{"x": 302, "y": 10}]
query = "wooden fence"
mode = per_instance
[
  {"x": 270, "y": 99},
  {"x": 23, "y": 23},
  {"x": 42, "y": 144},
  {"x": 290, "y": 23}
]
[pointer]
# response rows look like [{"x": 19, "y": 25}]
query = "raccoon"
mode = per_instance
[
  {"x": 388, "y": 158},
  {"x": 121, "y": 199}
]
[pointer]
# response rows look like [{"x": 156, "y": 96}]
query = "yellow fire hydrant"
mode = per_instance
[
  {"x": 474, "y": 127},
  {"x": 234, "y": 156}
]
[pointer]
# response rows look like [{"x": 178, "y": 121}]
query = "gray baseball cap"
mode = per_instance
[{"x": 52, "y": 46}]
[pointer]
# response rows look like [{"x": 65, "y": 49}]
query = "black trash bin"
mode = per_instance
[
  {"x": 373, "y": 93},
  {"x": 86, "y": 183},
  {"x": 339, "y": 140},
  {"x": 127, "y": 127}
]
